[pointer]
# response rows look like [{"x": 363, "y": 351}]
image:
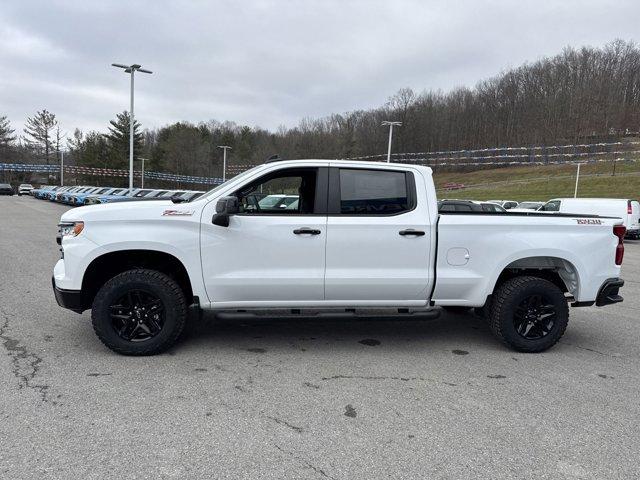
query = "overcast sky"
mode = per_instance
[{"x": 271, "y": 63}]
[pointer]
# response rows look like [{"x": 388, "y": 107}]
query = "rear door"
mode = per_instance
[{"x": 378, "y": 243}]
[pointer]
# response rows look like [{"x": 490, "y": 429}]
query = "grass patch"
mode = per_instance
[{"x": 544, "y": 182}]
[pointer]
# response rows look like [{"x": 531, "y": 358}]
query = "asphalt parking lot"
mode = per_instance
[{"x": 338, "y": 398}]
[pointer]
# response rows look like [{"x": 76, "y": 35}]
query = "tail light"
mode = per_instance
[
  {"x": 619, "y": 231},
  {"x": 629, "y": 208}
]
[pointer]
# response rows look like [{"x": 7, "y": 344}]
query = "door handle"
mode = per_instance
[
  {"x": 306, "y": 231},
  {"x": 411, "y": 231}
]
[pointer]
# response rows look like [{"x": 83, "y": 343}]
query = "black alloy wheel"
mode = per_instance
[
  {"x": 137, "y": 316},
  {"x": 534, "y": 317}
]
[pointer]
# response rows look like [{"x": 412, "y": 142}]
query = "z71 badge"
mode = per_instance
[
  {"x": 588, "y": 221},
  {"x": 177, "y": 213}
]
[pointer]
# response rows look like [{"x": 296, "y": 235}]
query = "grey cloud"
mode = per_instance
[{"x": 269, "y": 63}]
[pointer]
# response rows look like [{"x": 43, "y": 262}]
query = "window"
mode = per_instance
[
  {"x": 553, "y": 206},
  {"x": 285, "y": 192},
  {"x": 373, "y": 192}
]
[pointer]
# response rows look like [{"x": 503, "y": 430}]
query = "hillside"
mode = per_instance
[{"x": 544, "y": 182}]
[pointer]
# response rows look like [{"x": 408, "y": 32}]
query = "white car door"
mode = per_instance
[
  {"x": 269, "y": 256},
  {"x": 378, "y": 238}
]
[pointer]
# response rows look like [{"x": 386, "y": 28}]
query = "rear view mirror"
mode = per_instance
[{"x": 225, "y": 207}]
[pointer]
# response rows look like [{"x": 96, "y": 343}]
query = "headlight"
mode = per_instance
[{"x": 70, "y": 229}]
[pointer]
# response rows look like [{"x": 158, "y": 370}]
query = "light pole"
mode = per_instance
[
  {"x": 575, "y": 192},
  {"x": 132, "y": 69},
  {"x": 142, "y": 176},
  {"x": 62, "y": 168},
  {"x": 391, "y": 124},
  {"x": 224, "y": 161}
]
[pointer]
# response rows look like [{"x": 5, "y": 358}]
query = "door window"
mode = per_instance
[
  {"x": 373, "y": 192},
  {"x": 285, "y": 192}
]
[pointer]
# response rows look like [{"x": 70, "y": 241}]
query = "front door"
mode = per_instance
[{"x": 273, "y": 251}]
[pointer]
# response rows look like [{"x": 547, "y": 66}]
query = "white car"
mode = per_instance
[
  {"x": 506, "y": 204},
  {"x": 626, "y": 209},
  {"x": 363, "y": 235},
  {"x": 527, "y": 207},
  {"x": 25, "y": 189}
]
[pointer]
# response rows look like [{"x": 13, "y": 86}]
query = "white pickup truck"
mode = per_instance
[{"x": 359, "y": 236}]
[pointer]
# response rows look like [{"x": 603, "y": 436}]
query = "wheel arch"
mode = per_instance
[
  {"x": 559, "y": 270},
  {"x": 110, "y": 264}
]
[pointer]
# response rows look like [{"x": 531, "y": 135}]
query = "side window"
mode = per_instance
[
  {"x": 373, "y": 192},
  {"x": 551, "y": 206},
  {"x": 286, "y": 192},
  {"x": 463, "y": 208}
]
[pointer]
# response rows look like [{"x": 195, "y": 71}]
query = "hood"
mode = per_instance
[{"x": 123, "y": 211}]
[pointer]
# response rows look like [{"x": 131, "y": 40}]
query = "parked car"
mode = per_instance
[
  {"x": 527, "y": 207},
  {"x": 459, "y": 206},
  {"x": 364, "y": 235},
  {"x": 626, "y": 209},
  {"x": 6, "y": 189},
  {"x": 506, "y": 204},
  {"x": 25, "y": 189},
  {"x": 491, "y": 207}
]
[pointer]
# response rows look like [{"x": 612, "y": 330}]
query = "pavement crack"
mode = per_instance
[
  {"x": 25, "y": 364},
  {"x": 306, "y": 463},
  {"x": 285, "y": 423},
  {"x": 371, "y": 377},
  {"x": 591, "y": 350}
]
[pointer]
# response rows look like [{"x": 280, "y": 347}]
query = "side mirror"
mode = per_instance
[{"x": 225, "y": 207}]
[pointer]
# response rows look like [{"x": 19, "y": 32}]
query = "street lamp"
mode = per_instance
[
  {"x": 132, "y": 69},
  {"x": 391, "y": 124},
  {"x": 224, "y": 161}
]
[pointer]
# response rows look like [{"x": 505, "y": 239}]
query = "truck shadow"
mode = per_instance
[{"x": 261, "y": 334}]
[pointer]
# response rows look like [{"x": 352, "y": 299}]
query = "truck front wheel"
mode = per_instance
[
  {"x": 529, "y": 314},
  {"x": 139, "y": 312}
]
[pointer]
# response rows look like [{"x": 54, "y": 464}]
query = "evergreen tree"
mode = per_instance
[
  {"x": 39, "y": 131},
  {"x": 6, "y": 132},
  {"x": 118, "y": 140}
]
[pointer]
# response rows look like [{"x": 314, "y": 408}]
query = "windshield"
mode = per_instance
[{"x": 237, "y": 177}]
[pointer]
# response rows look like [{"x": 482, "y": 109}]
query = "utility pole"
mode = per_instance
[
  {"x": 390, "y": 124},
  {"x": 224, "y": 161},
  {"x": 131, "y": 69}
]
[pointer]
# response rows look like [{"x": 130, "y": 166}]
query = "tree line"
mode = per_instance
[{"x": 578, "y": 96}]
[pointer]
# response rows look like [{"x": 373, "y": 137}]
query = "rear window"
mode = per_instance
[{"x": 373, "y": 192}]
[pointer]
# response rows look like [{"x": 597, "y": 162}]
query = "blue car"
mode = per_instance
[{"x": 78, "y": 198}]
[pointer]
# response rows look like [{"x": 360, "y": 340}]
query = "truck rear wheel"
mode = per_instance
[
  {"x": 529, "y": 314},
  {"x": 139, "y": 312}
]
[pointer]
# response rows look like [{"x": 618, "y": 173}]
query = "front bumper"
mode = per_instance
[
  {"x": 70, "y": 299},
  {"x": 608, "y": 293}
]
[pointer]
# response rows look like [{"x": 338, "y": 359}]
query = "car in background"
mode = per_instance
[
  {"x": 95, "y": 199},
  {"x": 6, "y": 189},
  {"x": 78, "y": 198},
  {"x": 24, "y": 189},
  {"x": 459, "y": 206},
  {"x": 529, "y": 205},
  {"x": 626, "y": 209},
  {"x": 491, "y": 207},
  {"x": 506, "y": 204}
]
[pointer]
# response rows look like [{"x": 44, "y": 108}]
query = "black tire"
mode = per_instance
[
  {"x": 121, "y": 306},
  {"x": 457, "y": 309},
  {"x": 529, "y": 314}
]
